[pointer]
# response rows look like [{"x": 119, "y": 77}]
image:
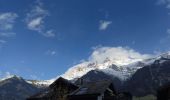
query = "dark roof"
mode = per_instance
[
  {"x": 92, "y": 88},
  {"x": 49, "y": 90},
  {"x": 65, "y": 81}
]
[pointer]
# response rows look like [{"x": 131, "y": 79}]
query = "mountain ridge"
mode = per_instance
[
  {"x": 121, "y": 76},
  {"x": 16, "y": 88}
]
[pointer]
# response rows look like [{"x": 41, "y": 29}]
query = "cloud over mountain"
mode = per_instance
[
  {"x": 121, "y": 55},
  {"x": 103, "y": 57}
]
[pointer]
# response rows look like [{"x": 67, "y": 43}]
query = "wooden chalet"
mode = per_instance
[
  {"x": 101, "y": 90},
  {"x": 56, "y": 91},
  {"x": 63, "y": 89}
]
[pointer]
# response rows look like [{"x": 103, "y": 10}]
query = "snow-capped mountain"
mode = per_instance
[
  {"x": 10, "y": 76},
  {"x": 107, "y": 59},
  {"x": 144, "y": 77},
  {"x": 37, "y": 83},
  {"x": 40, "y": 83},
  {"x": 122, "y": 71},
  {"x": 149, "y": 78},
  {"x": 114, "y": 67},
  {"x": 108, "y": 69},
  {"x": 121, "y": 68},
  {"x": 16, "y": 88},
  {"x": 109, "y": 66}
]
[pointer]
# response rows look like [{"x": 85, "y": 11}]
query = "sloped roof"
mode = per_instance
[
  {"x": 60, "y": 79},
  {"x": 49, "y": 90},
  {"x": 92, "y": 88}
]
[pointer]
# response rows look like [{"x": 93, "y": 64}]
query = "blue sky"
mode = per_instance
[{"x": 42, "y": 39}]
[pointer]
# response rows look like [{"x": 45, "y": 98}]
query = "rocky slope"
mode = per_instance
[
  {"x": 108, "y": 66},
  {"x": 147, "y": 79},
  {"x": 16, "y": 88},
  {"x": 143, "y": 77}
]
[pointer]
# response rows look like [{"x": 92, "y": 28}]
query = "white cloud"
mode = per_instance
[
  {"x": 50, "y": 33},
  {"x": 36, "y": 24},
  {"x": 5, "y": 75},
  {"x": 164, "y": 2},
  {"x": 51, "y": 52},
  {"x": 120, "y": 55},
  {"x": 35, "y": 20},
  {"x": 104, "y": 24},
  {"x": 7, "y": 20}
]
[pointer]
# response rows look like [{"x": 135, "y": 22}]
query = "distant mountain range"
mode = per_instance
[
  {"x": 16, "y": 88},
  {"x": 141, "y": 77}
]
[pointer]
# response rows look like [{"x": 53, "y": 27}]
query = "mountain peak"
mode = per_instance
[
  {"x": 165, "y": 55},
  {"x": 11, "y": 77},
  {"x": 14, "y": 87},
  {"x": 16, "y": 77}
]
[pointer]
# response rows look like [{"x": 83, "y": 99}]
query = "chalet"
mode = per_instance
[
  {"x": 101, "y": 90},
  {"x": 63, "y": 89},
  {"x": 58, "y": 90},
  {"x": 163, "y": 93}
]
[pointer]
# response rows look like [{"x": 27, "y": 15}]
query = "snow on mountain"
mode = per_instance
[
  {"x": 155, "y": 75},
  {"x": 122, "y": 72},
  {"x": 119, "y": 62},
  {"x": 16, "y": 88},
  {"x": 79, "y": 70},
  {"x": 111, "y": 60},
  {"x": 40, "y": 83},
  {"x": 37, "y": 83},
  {"x": 10, "y": 76}
]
